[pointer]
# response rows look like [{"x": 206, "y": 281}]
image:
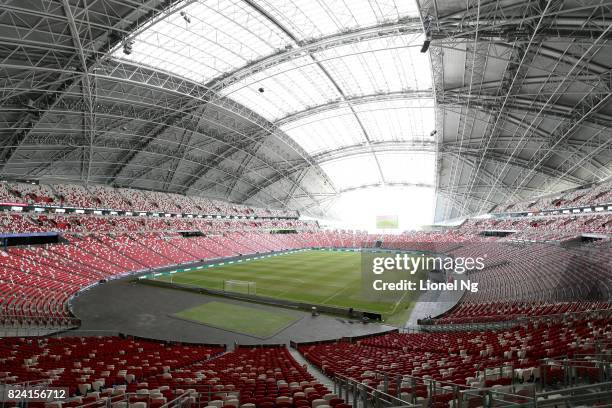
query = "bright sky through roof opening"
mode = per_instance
[{"x": 358, "y": 209}]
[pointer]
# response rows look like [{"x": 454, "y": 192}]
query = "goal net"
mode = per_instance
[{"x": 239, "y": 286}]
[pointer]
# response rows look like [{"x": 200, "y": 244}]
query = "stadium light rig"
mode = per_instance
[
  {"x": 185, "y": 17},
  {"x": 427, "y": 26},
  {"x": 127, "y": 47}
]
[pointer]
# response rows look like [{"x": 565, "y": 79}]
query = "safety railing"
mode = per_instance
[
  {"x": 197, "y": 396},
  {"x": 565, "y": 373},
  {"x": 361, "y": 395},
  {"x": 592, "y": 395},
  {"x": 425, "y": 390},
  {"x": 12, "y": 325}
]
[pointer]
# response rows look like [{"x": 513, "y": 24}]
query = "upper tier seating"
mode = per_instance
[
  {"x": 74, "y": 195},
  {"x": 33, "y": 222},
  {"x": 32, "y": 193},
  {"x": 125, "y": 199},
  {"x": 557, "y": 226},
  {"x": 590, "y": 196},
  {"x": 5, "y": 194},
  {"x": 109, "y": 198}
]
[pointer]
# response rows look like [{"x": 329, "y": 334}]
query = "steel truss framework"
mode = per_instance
[
  {"x": 541, "y": 123},
  {"x": 529, "y": 112}
]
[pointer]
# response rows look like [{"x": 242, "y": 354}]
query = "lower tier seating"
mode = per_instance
[
  {"x": 97, "y": 370},
  {"x": 461, "y": 357}
]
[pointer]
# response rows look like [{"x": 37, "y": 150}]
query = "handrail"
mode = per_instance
[
  {"x": 487, "y": 396},
  {"x": 365, "y": 394},
  {"x": 578, "y": 388},
  {"x": 175, "y": 402},
  {"x": 181, "y": 397},
  {"x": 491, "y": 394},
  {"x": 26, "y": 384}
]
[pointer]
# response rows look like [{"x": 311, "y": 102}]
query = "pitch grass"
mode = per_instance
[
  {"x": 239, "y": 319},
  {"x": 318, "y": 277}
]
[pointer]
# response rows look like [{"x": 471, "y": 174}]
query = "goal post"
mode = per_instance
[{"x": 239, "y": 286}]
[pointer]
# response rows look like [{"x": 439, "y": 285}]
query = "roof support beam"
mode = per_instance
[
  {"x": 366, "y": 186},
  {"x": 68, "y": 78},
  {"x": 406, "y": 146},
  {"x": 521, "y": 164},
  {"x": 512, "y": 80},
  {"x": 89, "y": 94},
  {"x": 128, "y": 157},
  {"x": 570, "y": 147},
  {"x": 325, "y": 72},
  {"x": 33, "y": 115},
  {"x": 192, "y": 93},
  {"x": 409, "y": 146},
  {"x": 586, "y": 107},
  {"x": 154, "y": 151},
  {"x": 491, "y": 86},
  {"x": 490, "y": 104},
  {"x": 355, "y": 101},
  {"x": 484, "y": 175},
  {"x": 243, "y": 164},
  {"x": 589, "y": 105},
  {"x": 501, "y": 22},
  {"x": 406, "y": 26},
  {"x": 144, "y": 115}
]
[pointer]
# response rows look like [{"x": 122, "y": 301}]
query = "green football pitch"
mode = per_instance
[
  {"x": 239, "y": 319},
  {"x": 332, "y": 278}
]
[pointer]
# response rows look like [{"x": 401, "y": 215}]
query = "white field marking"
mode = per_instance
[
  {"x": 281, "y": 294},
  {"x": 203, "y": 278},
  {"x": 398, "y": 302},
  {"x": 198, "y": 278},
  {"x": 195, "y": 279},
  {"x": 335, "y": 294}
]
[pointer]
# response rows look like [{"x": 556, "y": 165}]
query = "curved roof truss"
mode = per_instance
[{"x": 521, "y": 91}]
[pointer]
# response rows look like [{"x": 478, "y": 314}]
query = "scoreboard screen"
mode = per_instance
[{"x": 387, "y": 222}]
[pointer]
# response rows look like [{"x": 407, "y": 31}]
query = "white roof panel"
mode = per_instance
[
  {"x": 390, "y": 64},
  {"x": 326, "y": 131},
  {"x": 352, "y": 171},
  {"x": 309, "y": 19},
  {"x": 289, "y": 87},
  {"x": 221, "y": 36},
  {"x": 404, "y": 119},
  {"x": 408, "y": 167}
]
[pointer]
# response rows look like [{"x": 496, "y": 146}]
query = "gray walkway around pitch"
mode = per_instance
[
  {"x": 144, "y": 310},
  {"x": 433, "y": 303}
]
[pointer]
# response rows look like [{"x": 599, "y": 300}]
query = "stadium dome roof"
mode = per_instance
[{"x": 298, "y": 103}]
